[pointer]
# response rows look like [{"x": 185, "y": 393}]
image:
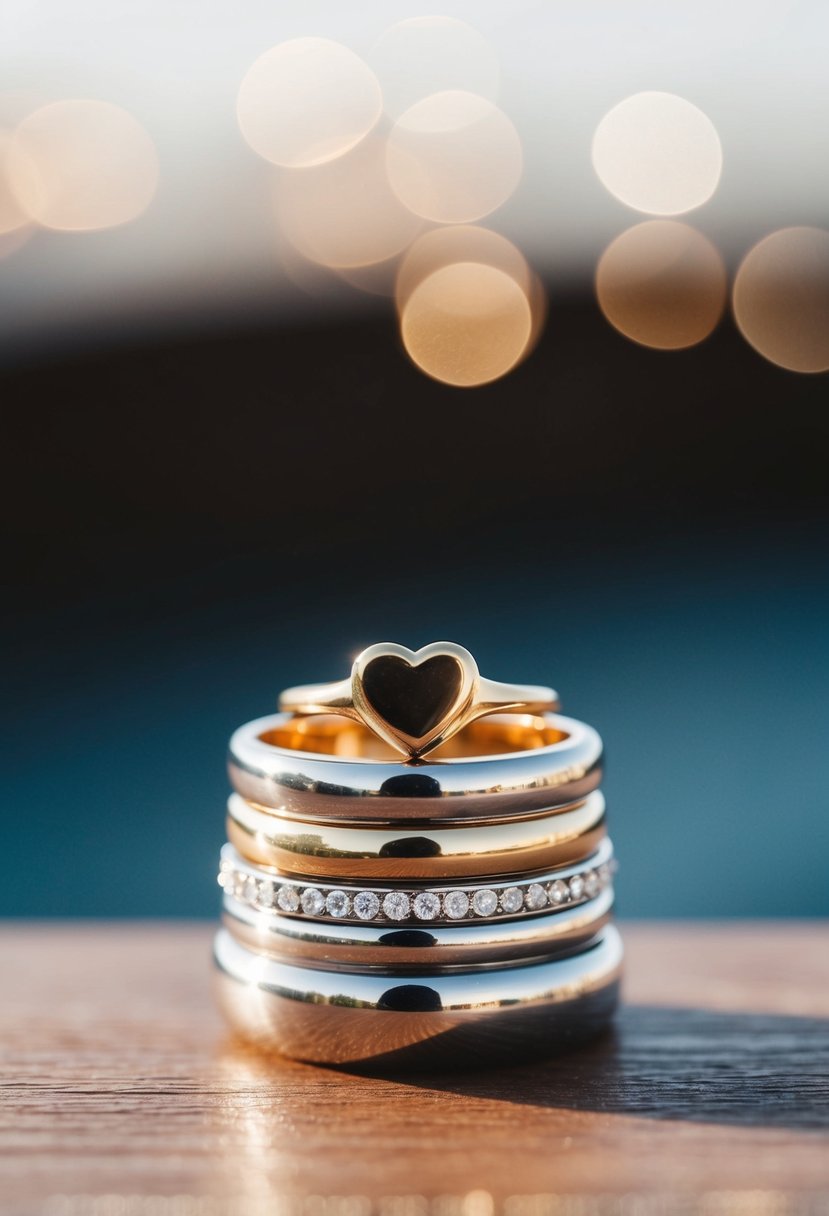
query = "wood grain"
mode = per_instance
[{"x": 119, "y": 1082}]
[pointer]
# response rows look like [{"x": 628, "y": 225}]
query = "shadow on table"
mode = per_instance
[{"x": 748, "y": 1069}]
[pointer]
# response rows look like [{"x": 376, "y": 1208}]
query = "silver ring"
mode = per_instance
[
  {"x": 315, "y": 785},
  {"x": 425, "y": 1019},
  {"x": 462, "y": 945},
  {"x": 443, "y": 904}
]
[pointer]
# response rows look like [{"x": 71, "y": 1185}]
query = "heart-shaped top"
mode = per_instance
[{"x": 412, "y": 698}]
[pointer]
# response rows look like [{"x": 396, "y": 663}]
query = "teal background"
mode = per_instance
[
  {"x": 708, "y": 686},
  {"x": 668, "y": 575}
]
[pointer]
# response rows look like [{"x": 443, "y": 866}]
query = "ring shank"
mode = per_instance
[{"x": 493, "y": 696}]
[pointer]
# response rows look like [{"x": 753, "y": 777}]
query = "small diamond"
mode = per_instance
[
  {"x": 224, "y": 879},
  {"x": 396, "y": 905},
  {"x": 366, "y": 905},
  {"x": 592, "y": 883},
  {"x": 558, "y": 892},
  {"x": 288, "y": 899},
  {"x": 249, "y": 888},
  {"x": 576, "y": 886},
  {"x": 456, "y": 904},
  {"x": 536, "y": 897},
  {"x": 426, "y": 905},
  {"x": 338, "y": 903},
  {"x": 485, "y": 903},
  {"x": 512, "y": 900},
  {"x": 313, "y": 901},
  {"x": 604, "y": 874},
  {"x": 264, "y": 896}
]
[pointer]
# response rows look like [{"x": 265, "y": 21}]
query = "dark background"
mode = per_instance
[{"x": 195, "y": 523}]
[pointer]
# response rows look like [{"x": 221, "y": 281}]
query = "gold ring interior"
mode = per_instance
[{"x": 334, "y": 735}]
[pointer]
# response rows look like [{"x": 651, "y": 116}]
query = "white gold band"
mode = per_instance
[{"x": 396, "y": 905}]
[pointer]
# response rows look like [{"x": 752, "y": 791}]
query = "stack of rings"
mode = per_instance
[{"x": 418, "y": 871}]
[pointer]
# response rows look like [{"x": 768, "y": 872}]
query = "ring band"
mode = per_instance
[
  {"x": 467, "y": 944},
  {"x": 428, "y": 1019},
  {"x": 416, "y": 700},
  {"x": 327, "y": 767},
  {"x": 356, "y": 902},
  {"x": 315, "y": 850}
]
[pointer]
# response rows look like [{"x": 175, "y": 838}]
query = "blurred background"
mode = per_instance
[{"x": 335, "y": 324}]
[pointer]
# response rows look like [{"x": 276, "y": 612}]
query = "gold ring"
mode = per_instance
[
  {"x": 325, "y": 850},
  {"x": 416, "y": 700}
]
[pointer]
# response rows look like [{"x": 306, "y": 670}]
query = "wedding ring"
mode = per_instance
[
  {"x": 463, "y": 946},
  {"x": 516, "y": 845},
  {"x": 431, "y": 1018},
  {"x": 416, "y": 700},
  {"x": 436, "y": 904},
  {"x": 328, "y": 767}
]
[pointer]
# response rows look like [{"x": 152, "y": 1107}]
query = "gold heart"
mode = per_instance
[{"x": 412, "y": 698}]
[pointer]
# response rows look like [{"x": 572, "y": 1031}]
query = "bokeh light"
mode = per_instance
[
  {"x": 441, "y": 247},
  {"x": 459, "y": 243},
  {"x": 781, "y": 298},
  {"x": 425, "y": 55},
  {"x": 13, "y": 217},
  {"x": 466, "y": 324},
  {"x": 662, "y": 284},
  {"x": 82, "y": 165},
  {"x": 658, "y": 153},
  {"x": 344, "y": 214},
  {"x": 307, "y": 101},
  {"x": 454, "y": 157},
  {"x": 537, "y": 298}
]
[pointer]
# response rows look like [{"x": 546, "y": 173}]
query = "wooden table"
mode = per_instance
[{"x": 119, "y": 1082}]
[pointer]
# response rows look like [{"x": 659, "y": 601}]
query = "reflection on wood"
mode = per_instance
[{"x": 118, "y": 1079}]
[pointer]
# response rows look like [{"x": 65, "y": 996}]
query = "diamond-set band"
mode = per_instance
[{"x": 543, "y": 893}]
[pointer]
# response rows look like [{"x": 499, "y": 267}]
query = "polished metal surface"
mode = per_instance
[
  {"x": 328, "y": 850},
  {"x": 463, "y": 946},
  {"x": 434, "y": 903},
  {"x": 419, "y": 1019},
  {"x": 325, "y": 767},
  {"x": 416, "y": 700}
]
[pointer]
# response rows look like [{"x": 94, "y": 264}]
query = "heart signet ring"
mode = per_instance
[{"x": 416, "y": 700}]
